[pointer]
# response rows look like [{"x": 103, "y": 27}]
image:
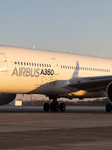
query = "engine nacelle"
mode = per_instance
[
  {"x": 109, "y": 92},
  {"x": 6, "y": 98}
]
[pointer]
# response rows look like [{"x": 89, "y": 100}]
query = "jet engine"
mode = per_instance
[
  {"x": 109, "y": 92},
  {"x": 6, "y": 98}
]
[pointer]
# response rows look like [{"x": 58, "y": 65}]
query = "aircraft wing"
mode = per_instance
[{"x": 90, "y": 83}]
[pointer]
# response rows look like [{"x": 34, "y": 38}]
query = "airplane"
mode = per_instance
[{"x": 54, "y": 74}]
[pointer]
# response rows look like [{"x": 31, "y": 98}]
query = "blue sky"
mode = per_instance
[{"x": 76, "y": 26}]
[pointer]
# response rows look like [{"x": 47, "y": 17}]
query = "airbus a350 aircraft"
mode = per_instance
[{"x": 53, "y": 74}]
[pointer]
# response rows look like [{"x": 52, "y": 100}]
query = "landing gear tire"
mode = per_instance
[
  {"x": 108, "y": 107},
  {"x": 62, "y": 107},
  {"x": 46, "y": 107},
  {"x": 54, "y": 106}
]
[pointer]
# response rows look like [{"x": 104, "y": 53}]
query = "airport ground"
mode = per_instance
[{"x": 80, "y": 128}]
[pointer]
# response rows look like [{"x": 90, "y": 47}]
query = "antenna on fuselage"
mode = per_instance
[
  {"x": 34, "y": 47},
  {"x": 101, "y": 55}
]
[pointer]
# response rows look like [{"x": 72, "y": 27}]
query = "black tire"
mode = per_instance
[
  {"x": 54, "y": 106},
  {"x": 62, "y": 107},
  {"x": 108, "y": 107},
  {"x": 46, "y": 107},
  {"x": 57, "y": 107}
]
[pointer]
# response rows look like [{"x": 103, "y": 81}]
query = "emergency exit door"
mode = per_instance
[
  {"x": 3, "y": 63},
  {"x": 55, "y": 66}
]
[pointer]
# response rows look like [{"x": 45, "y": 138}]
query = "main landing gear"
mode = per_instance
[
  {"x": 54, "y": 106},
  {"x": 108, "y": 107}
]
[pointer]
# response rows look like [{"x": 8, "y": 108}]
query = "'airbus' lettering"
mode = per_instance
[{"x": 26, "y": 72}]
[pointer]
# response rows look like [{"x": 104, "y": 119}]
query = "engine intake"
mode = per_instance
[
  {"x": 6, "y": 98},
  {"x": 109, "y": 92}
]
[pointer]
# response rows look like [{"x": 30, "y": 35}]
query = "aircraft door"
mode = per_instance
[
  {"x": 55, "y": 66},
  {"x": 3, "y": 63}
]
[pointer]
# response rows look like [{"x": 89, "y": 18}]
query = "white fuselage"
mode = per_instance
[{"x": 45, "y": 72}]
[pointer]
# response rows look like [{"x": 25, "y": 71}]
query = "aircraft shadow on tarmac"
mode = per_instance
[{"x": 72, "y": 109}]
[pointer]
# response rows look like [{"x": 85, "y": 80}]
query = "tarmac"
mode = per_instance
[{"x": 79, "y": 128}]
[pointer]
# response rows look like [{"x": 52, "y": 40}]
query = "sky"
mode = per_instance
[{"x": 75, "y": 26}]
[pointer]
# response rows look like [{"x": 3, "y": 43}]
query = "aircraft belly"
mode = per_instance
[{"x": 54, "y": 87}]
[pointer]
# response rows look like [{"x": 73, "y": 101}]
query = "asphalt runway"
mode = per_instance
[{"x": 80, "y": 128}]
